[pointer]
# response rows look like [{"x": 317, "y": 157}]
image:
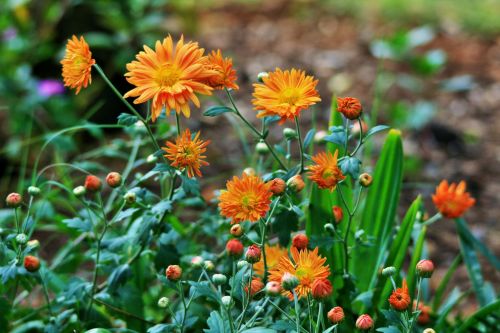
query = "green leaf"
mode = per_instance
[
  {"x": 190, "y": 185},
  {"x": 118, "y": 277},
  {"x": 309, "y": 137},
  {"x": 379, "y": 213},
  {"x": 98, "y": 330},
  {"x": 438, "y": 295},
  {"x": 337, "y": 137},
  {"x": 350, "y": 166},
  {"x": 162, "y": 328},
  {"x": 216, "y": 324},
  {"x": 390, "y": 329},
  {"x": 127, "y": 119},
  {"x": 125, "y": 214},
  {"x": 374, "y": 130},
  {"x": 78, "y": 224},
  {"x": 217, "y": 110},
  {"x": 259, "y": 329},
  {"x": 482, "y": 314}
]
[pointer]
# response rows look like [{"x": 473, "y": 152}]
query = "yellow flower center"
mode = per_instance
[
  {"x": 289, "y": 95},
  {"x": 304, "y": 275},
  {"x": 167, "y": 75},
  {"x": 247, "y": 201}
]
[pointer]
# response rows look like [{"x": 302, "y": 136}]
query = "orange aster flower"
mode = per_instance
[
  {"x": 169, "y": 76},
  {"x": 285, "y": 94},
  {"x": 452, "y": 200},
  {"x": 273, "y": 255},
  {"x": 187, "y": 153},
  {"x": 246, "y": 198},
  {"x": 224, "y": 74},
  {"x": 77, "y": 64},
  {"x": 306, "y": 265},
  {"x": 326, "y": 172},
  {"x": 400, "y": 298}
]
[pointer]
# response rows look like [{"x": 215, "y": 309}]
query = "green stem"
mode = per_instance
[
  {"x": 297, "y": 309},
  {"x": 417, "y": 312},
  {"x": 360, "y": 142},
  {"x": 348, "y": 230},
  {"x": 320, "y": 315},
  {"x": 309, "y": 308},
  {"x": 433, "y": 219},
  {"x": 301, "y": 146}
]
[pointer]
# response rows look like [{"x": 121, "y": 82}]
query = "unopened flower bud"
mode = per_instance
[
  {"x": 389, "y": 271},
  {"x": 296, "y": 183},
  {"x": 92, "y": 184},
  {"x": 241, "y": 264},
  {"x": 350, "y": 107},
  {"x": 253, "y": 254},
  {"x": 114, "y": 179},
  {"x": 277, "y": 186},
  {"x": 173, "y": 273},
  {"x": 255, "y": 286},
  {"x": 249, "y": 171},
  {"x": 21, "y": 238},
  {"x": 234, "y": 248},
  {"x": 197, "y": 262},
  {"x": 163, "y": 302},
  {"x": 226, "y": 300},
  {"x": 336, "y": 315},
  {"x": 289, "y": 133},
  {"x": 273, "y": 288},
  {"x": 261, "y": 148},
  {"x": 300, "y": 241},
  {"x": 321, "y": 289},
  {"x": 425, "y": 268},
  {"x": 140, "y": 127},
  {"x": 328, "y": 227},
  {"x": 261, "y": 76},
  {"x": 34, "y": 191},
  {"x": 151, "y": 158},
  {"x": 364, "y": 322},
  {"x": 209, "y": 266},
  {"x": 289, "y": 281},
  {"x": 338, "y": 214},
  {"x": 34, "y": 244},
  {"x": 319, "y": 136},
  {"x": 79, "y": 191},
  {"x": 31, "y": 263},
  {"x": 429, "y": 330},
  {"x": 236, "y": 230},
  {"x": 14, "y": 200},
  {"x": 219, "y": 279},
  {"x": 365, "y": 179},
  {"x": 130, "y": 197}
]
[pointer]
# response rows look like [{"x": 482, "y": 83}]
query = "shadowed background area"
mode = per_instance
[{"x": 430, "y": 68}]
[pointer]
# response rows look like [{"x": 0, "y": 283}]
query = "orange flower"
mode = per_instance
[
  {"x": 273, "y": 255},
  {"x": 285, "y": 94},
  {"x": 169, "y": 76},
  {"x": 306, "y": 265},
  {"x": 246, "y": 198},
  {"x": 350, "y": 107},
  {"x": 321, "y": 289},
  {"x": 77, "y": 64},
  {"x": 255, "y": 286},
  {"x": 400, "y": 298},
  {"x": 326, "y": 172},
  {"x": 225, "y": 75},
  {"x": 187, "y": 153},
  {"x": 425, "y": 313},
  {"x": 452, "y": 200}
]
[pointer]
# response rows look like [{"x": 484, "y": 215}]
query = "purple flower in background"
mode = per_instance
[
  {"x": 50, "y": 87},
  {"x": 9, "y": 34}
]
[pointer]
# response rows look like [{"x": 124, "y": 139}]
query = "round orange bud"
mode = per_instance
[
  {"x": 296, "y": 183},
  {"x": 253, "y": 254},
  {"x": 173, "y": 273},
  {"x": 31, "y": 263},
  {"x": 300, "y": 241},
  {"x": 364, "y": 322},
  {"x": 255, "y": 286},
  {"x": 92, "y": 183},
  {"x": 114, "y": 179},
  {"x": 336, "y": 315},
  {"x": 350, "y": 107},
  {"x": 14, "y": 200},
  {"x": 365, "y": 179},
  {"x": 273, "y": 288},
  {"x": 338, "y": 214},
  {"x": 234, "y": 248},
  {"x": 236, "y": 230},
  {"x": 425, "y": 268},
  {"x": 277, "y": 186},
  {"x": 321, "y": 289}
]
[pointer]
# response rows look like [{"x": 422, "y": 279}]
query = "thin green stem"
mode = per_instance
[
  {"x": 286, "y": 315},
  {"x": 297, "y": 309},
  {"x": 18, "y": 230},
  {"x": 320, "y": 315},
  {"x": 46, "y": 293},
  {"x": 301, "y": 146},
  {"x": 346, "y": 137},
  {"x": 348, "y": 230},
  {"x": 433, "y": 219},
  {"x": 417, "y": 311},
  {"x": 309, "y": 308}
]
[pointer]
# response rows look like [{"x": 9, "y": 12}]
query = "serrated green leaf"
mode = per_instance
[
  {"x": 79, "y": 224},
  {"x": 127, "y": 119}
]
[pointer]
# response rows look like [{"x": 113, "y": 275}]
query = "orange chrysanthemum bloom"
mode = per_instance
[
  {"x": 285, "y": 94},
  {"x": 169, "y": 76},
  {"x": 77, "y": 64},
  {"x": 425, "y": 313},
  {"x": 187, "y": 153},
  {"x": 400, "y": 298},
  {"x": 326, "y": 172},
  {"x": 452, "y": 200},
  {"x": 273, "y": 255},
  {"x": 306, "y": 265},
  {"x": 224, "y": 74},
  {"x": 246, "y": 198}
]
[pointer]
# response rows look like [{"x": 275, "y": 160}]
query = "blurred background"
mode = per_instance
[{"x": 428, "y": 67}]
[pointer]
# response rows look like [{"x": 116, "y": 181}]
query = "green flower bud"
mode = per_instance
[{"x": 219, "y": 279}]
